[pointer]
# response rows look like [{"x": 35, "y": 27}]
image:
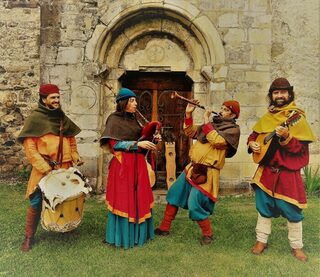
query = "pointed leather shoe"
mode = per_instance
[
  {"x": 299, "y": 254},
  {"x": 259, "y": 247},
  {"x": 206, "y": 240},
  {"x": 159, "y": 232},
  {"x": 26, "y": 245}
]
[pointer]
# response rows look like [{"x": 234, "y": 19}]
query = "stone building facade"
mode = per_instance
[{"x": 89, "y": 48}]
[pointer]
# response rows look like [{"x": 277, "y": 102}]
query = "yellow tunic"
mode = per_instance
[
  {"x": 47, "y": 145},
  {"x": 211, "y": 154}
]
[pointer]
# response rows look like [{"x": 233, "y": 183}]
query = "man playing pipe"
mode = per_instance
[{"x": 196, "y": 189}]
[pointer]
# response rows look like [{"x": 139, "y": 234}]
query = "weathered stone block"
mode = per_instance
[
  {"x": 73, "y": 34},
  {"x": 230, "y": 171},
  {"x": 75, "y": 72},
  {"x": 152, "y": 25},
  {"x": 87, "y": 122},
  {"x": 217, "y": 86},
  {"x": 229, "y": 20},
  {"x": 260, "y": 36},
  {"x": 183, "y": 7},
  {"x": 248, "y": 168},
  {"x": 220, "y": 71},
  {"x": 2, "y": 160},
  {"x": 253, "y": 76},
  {"x": 259, "y": 5},
  {"x": 31, "y": 4},
  {"x": 14, "y": 160},
  {"x": 70, "y": 55},
  {"x": 262, "y": 21},
  {"x": 50, "y": 36},
  {"x": 152, "y": 52},
  {"x": 265, "y": 68},
  {"x": 238, "y": 54},
  {"x": 233, "y": 187},
  {"x": 249, "y": 98},
  {"x": 7, "y": 168},
  {"x": 115, "y": 11},
  {"x": 89, "y": 168},
  {"x": 234, "y": 36},
  {"x": 261, "y": 54},
  {"x": 236, "y": 75},
  {"x": 227, "y": 5}
]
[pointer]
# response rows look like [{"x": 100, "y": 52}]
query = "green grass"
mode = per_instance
[
  {"x": 81, "y": 252},
  {"x": 312, "y": 180}
]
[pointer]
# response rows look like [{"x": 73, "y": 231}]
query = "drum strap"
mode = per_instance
[
  {"x": 60, "y": 147},
  {"x": 51, "y": 162}
]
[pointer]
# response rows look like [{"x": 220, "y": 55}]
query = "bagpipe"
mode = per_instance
[{"x": 149, "y": 132}]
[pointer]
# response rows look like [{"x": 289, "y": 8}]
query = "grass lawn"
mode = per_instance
[{"x": 81, "y": 253}]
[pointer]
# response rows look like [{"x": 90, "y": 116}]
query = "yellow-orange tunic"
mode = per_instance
[
  {"x": 211, "y": 154},
  {"x": 47, "y": 145}
]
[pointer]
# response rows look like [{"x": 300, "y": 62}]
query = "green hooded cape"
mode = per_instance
[{"x": 44, "y": 121}]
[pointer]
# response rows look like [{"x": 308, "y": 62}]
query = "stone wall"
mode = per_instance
[
  {"x": 295, "y": 55},
  {"x": 19, "y": 76},
  {"x": 254, "y": 41},
  {"x": 66, "y": 27}
]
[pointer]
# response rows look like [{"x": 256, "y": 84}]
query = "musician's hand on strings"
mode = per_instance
[
  {"x": 282, "y": 132},
  {"x": 255, "y": 146},
  {"x": 190, "y": 108},
  {"x": 147, "y": 145},
  {"x": 207, "y": 114}
]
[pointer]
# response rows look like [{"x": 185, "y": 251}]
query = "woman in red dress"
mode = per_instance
[{"x": 129, "y": 197}]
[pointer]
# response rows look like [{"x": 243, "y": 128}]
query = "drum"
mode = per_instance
[{"x": 64, "y": 192}]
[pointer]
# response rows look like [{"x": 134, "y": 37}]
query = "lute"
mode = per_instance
[{"x": 268, "y": 144}]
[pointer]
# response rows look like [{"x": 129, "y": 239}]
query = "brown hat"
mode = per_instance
[
  {"x": 47, "y": 89},
  {"x": 280, "y": 84},
  {"x": 234, "y": 106}
]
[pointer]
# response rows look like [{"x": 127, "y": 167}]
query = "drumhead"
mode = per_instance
[{"x": 63, "y": 184}]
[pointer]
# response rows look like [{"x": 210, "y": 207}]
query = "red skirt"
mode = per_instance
[{"x": 123, "y": 196}]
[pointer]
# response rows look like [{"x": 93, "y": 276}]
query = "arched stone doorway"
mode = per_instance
[
  {"x": 154, "y": 39},
  {"x": 154, "y": 91}
]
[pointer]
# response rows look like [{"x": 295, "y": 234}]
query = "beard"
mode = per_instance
[
  {"x": 51, "y": 107},
  {"x": 280, "y": 102}
]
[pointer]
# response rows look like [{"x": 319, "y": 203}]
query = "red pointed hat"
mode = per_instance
[
  {"x": 47, "y": 89},
  {"x": 234, "y": 106}
]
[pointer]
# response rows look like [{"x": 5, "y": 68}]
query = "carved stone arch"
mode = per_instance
[
  {"x": 200, "y": 25},
  {"x": 121, "y": 44}
]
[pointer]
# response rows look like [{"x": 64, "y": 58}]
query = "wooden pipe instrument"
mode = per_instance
[{"x": 174, "y": 94}]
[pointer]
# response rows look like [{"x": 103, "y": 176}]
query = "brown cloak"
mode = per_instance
[
  {"x": 121, "y": 126},
  {"x": 228, "y": 129}
]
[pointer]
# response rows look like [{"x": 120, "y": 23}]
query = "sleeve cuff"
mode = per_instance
[
  {"x": 188, "y": 121},
  {"x": 207, "y": 128},
  {"x": 286, "y": 141},
  {"x": 133, "y": 146}
]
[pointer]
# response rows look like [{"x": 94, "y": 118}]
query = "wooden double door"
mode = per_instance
[{"x": 155, "y": 103}]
